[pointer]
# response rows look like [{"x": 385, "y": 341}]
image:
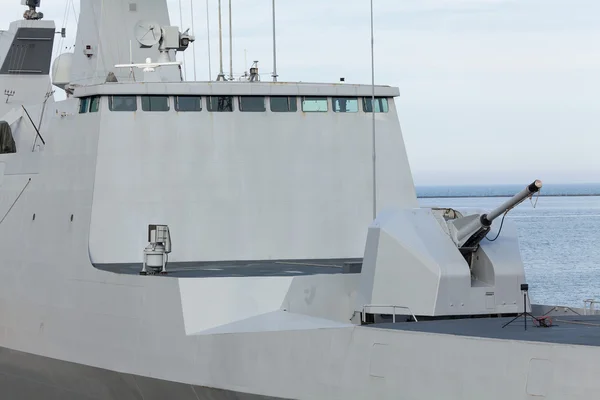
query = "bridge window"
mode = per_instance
[
  {"x": 122, "y": 103},
  {"x": 83, "y": 105},
  {"x": 314, "y": 104},
  {"x": 283, "y": 104},
  {"x": 219, "y": 103},
  {"x": 381, "y": 104},
  {"x": 345, "y": 104},
  {"x": 252, "y": 104},
  {"x": 188, "y": 103},
  {"x": 155, "y": 103},
  {"x": 94, "y": 103}
]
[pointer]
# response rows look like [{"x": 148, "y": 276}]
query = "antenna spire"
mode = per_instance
[
  {"x": 230, "y": 45},
  {"x": 221, "y": 76},
  {"x": 373, "y": 111},
  {"x": 207, "y": 41},
  {"x": 274, "y": 48}
]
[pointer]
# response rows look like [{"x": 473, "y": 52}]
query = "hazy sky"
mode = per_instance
[{"x": 496, "y": 91}]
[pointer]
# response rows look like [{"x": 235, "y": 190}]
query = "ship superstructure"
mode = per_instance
[{"x": 247, "y": 208}]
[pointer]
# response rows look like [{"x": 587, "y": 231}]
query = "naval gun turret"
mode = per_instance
[
  {"x": 433, "y": 263},
  {"x": 467, "y": 232}
]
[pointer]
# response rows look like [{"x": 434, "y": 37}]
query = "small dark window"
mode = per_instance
[
  {"x": 219, "y": 103},
  {"x": 284, "y": 104},
  {"x": 95, "y": 104},
  {"x": 155, "y": 103},
  {"x": 252, "y": 103},
  {"x": 345, "y": 104},
  {"x": 188, "y": 103},
  {"x": 83, "y": 105},
  {"x": 381, "y": 104},
  {"x": 314, "y": 104},
  {"x": 122, "y": 103}
]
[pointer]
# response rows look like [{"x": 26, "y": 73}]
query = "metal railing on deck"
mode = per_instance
[
  {"x": 591, "y": 309},
  {"x": 393, "y": 307}
]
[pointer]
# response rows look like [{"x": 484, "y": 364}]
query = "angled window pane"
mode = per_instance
[
  {"x": 252, "y": 103},
  {"x": 83, "y": 105},
  {"x": 95, "y": 104},
  {"x": 155, "y": 103},
  {"x": 283, "y": 104},
  {"x": 345, "y": 104},
  {"x": 381, "y": 104},
  {"x": 314, "y": 104},
  {"x": 122, "y": 103},
  {"x": 219, "y": 103},
  {"x": 188, "y": 103}
]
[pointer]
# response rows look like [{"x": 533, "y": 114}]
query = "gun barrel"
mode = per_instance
[{"x": 534, "y": 187}]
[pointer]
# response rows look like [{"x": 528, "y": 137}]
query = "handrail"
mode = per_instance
[
  {"x": 591, "y": 302},
  {"x": 393, "y": 307}
]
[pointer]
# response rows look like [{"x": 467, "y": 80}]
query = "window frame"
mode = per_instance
[
  {"x": 326, "y": 98},
  {"x": 84, "y": 101},
  {"x": 98, "y": 100},
  {"x": 378, "y": 99},
  {"x": 289, "y": 103},
  {"x": 176, "y": 102},
  {"x": 111, "y": 105},
  {"x": 241, "y": 108},
  {"x": 333, "y": 99},
  {"x": 209, "y": 103},
  {"x": 155, "y": 96}
]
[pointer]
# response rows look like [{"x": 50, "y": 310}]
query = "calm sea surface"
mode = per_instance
[{"x": 559, "y": 238}]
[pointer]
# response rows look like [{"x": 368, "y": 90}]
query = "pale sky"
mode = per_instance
[{"x": 492, "y": 91}]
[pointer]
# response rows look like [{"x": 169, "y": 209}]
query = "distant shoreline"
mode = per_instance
[{"x": 463, "y": 196}]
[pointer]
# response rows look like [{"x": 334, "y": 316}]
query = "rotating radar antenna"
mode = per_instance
[{"x": 148, "y": 33}]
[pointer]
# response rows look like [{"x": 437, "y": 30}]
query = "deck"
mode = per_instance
[
  {"x": 577, "y": 330},
  {"x": 244, "y": 269}
]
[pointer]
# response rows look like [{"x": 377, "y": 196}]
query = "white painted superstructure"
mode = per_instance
[{"x": 269, "y": 214}]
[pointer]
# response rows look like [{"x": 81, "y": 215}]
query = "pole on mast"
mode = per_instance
[
  {"x": 230, "y": 45},
  {"x": 274, "y": 47},
  {"x": 193, "y": 33},
  {"x": 374, "y": 154},
  {"x": 181, "y": 25},
  {"x": 221, "y": 76},
  {"x": 207, "y": 40}
]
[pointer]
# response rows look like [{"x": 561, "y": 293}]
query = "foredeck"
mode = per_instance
[
  {"x": 577, "y": 330},
  {"x": 243, "y": 269}
]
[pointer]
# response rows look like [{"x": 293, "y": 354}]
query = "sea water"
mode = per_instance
[{"x": 559, "y": 238}]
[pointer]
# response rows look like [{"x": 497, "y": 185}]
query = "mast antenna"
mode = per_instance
[
  {"x": 274, "y": 47},
  {"x": 221, "y": 76},
  {"x": 193, "y": 33},
  {"x": 373, "y": 112},
  {"x": 208, "y": 40},
  {"x": 230, "y": 45},
  {"x": 181, "y": 25}
]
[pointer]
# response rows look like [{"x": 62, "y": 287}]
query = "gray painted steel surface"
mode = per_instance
[
  {"x": 237, "y": 186},
  {"x": 30, "y": 52},
  {"x": 26, "y": 376},
  {"x": 567, "y": 329}
]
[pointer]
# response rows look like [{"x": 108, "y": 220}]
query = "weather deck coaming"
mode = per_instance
[
  {"x": 234, "y": 88},
  {"x": 231, "y": 269},
  {"x": 574, "y": 330}
]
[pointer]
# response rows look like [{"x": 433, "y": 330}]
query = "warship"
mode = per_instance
[{"x": 167, "y": 239}]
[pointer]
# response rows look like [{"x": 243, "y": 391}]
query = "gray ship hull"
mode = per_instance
[{"x": 28, "y": 376}]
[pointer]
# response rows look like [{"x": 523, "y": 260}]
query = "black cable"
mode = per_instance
[{"x": 499, "y": 230}]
